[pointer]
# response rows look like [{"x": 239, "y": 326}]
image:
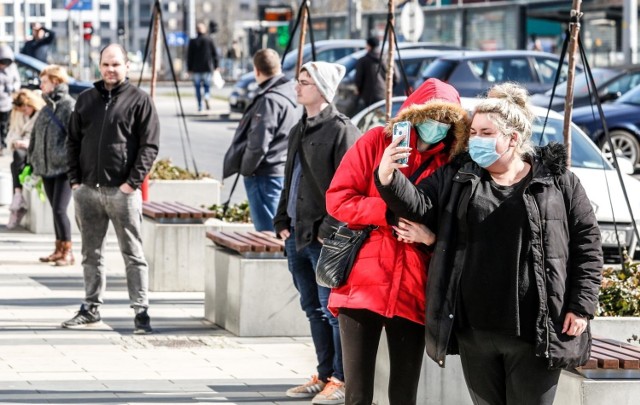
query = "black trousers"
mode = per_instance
[
  {"x": 59, "y": 194},
  {"x": 17, "y": 166},
  {"x": 504, "y": 370},
  {"x": 360, "y": 331},
  {"x": 4, "y": 127}
]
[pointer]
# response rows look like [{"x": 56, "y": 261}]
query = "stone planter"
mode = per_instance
[
  {"x": 190, "y": 192},
  {"x": 215, "y": 224}
]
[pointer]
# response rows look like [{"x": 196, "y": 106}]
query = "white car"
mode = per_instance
[{"x": 598, "y": 177}]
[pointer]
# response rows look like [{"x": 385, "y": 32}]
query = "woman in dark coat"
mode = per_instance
[
  {"x": 516, "y": 269},
  {"x": 48, "y": 157}
]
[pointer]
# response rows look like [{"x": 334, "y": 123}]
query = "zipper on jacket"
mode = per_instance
[
  {"x": 544, "y": 284},
  {"x": 106, "y": 112}
]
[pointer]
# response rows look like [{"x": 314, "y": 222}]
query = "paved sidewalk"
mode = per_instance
[{"x": 187, "y": 360}]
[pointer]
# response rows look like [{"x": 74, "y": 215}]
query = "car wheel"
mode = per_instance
[{"x": 624, "y": 144}]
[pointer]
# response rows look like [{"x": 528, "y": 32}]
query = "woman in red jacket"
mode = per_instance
[{"x": 386, "y": 287}]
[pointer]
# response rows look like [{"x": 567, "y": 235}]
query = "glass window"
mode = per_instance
[
  {"x": 631, "y": 97},
  {"x": 623, "y": 84},
  {"x": 8, "y": 9},
  {"x": 580, "y": 88},
  {"x": 478, "y": 67},
  {"x": 105, "y": 7},
  {"x": 546, "y": 68},
  {"x": 440, "y": 69},
  {"x": 515, "y": 69},
  {"x": 9, "y": 29}
]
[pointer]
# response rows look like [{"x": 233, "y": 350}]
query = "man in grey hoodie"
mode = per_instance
[
  {"x": 9, "y": 82},
  {"x": 258, "y": 150}
]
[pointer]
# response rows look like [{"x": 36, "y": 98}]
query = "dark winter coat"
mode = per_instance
[
  {"x": 323, "y": 146},
  {"x": 113, "y": 136},
  {"x": 370, "y": 78},
  {"x": 259, "y": 146},
  {"x": 39, "y": 48},
  {"x": 202, "y": 56},
  {"x": 47, "y": 149},
  {"x": 564, "y": 241}
]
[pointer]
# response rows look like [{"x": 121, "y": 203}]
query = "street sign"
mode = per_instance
[
  {"x": 78, "y": 5},
  {"x": 177, "y": 38},
  {"x": 411, "y": 21}
]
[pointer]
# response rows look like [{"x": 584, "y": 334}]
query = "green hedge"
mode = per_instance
[
  {"x": 620, "y": 292},
  {"x": 238, "y": 213}
]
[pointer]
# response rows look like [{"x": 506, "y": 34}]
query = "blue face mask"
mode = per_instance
[
  {"x": 483, "y": 150},
  {"x": 432, "y": 132}
]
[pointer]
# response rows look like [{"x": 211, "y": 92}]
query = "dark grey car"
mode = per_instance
[
  {"x": 611, "y": 83},
  {"x": 473, "y": 73}
]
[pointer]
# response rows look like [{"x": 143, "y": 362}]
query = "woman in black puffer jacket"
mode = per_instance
[
  {"x": 48, "y": 156},
  {"x": 517, "y": 265}
]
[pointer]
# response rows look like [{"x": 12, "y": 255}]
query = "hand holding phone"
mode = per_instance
[{"x": 402, "y": 129}]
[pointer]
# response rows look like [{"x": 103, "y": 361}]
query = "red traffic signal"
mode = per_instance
[{"x": 87, "y": 30}]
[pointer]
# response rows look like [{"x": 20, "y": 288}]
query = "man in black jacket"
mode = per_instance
[
  {"x": 258, "y": 150},
  {"x": 316, "y": 146},
  {"x": 202, "y": 60},
  {"x": 113, "y": 140},
  {"x": 370, "y": 76},
  {"x": 38, "y": 46}
]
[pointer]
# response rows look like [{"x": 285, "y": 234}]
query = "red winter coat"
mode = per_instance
[{"x": 389, "y": 277}]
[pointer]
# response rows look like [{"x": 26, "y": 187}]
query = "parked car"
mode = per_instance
[
  {"x": 623, "y": 121},
  {"x": 611, "y": 83},
  {"x": 328, "y": 51},
  {"x": 30, "y": 68},
  {"x": 473, "y": 73},
  {"x": 592, "y": 168},
  {"x": 413, "y": 60}
]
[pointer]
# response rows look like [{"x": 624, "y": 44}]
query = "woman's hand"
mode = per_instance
[
  {"x": 388, "y": 163},
  {"x": 413, "y": 232},
  {"x": 20, "y": 144},
  {"x": 574, "y": 324}
]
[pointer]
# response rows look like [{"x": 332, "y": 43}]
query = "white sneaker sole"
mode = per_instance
[{"x": 92, "y": 325}]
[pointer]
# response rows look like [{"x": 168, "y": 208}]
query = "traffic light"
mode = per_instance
[
  {"x": 87, "y": 30},
  {"x": 283, "y": 36},
  {"x": 120, "y": 29},
  {"x": 213, "y": 27}
]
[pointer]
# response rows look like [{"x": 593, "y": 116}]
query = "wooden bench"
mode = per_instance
[
  {"x": 175, "y": 212},
  {"x": 612, "y": 359},
  {"x": 250, "y": 244}
]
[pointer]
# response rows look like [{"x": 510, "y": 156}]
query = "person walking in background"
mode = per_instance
[
  {"x": 258, "y": 150},
  {"x": 315, "y": 148},
  {"x": 40, "y": 42},
  {"x": 515, "y": 300},
  {"x": 9, "y": 82},
  {"x": 202, "y": 60},
  {"x": 370, "y": 77},
  {"x": 27, "y": 105},
  {"x": 48, "y": 157},
  {"x": 114, "y": 134},
  {"x": 387, "y": 284}
]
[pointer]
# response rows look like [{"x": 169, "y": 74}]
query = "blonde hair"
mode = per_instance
[
  {"x": 507, "y": 107},
  {"x": 29, "y": 98},
  {"x": 55, "y": 73}
]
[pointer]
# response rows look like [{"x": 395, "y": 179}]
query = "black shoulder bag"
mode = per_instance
[{"x": 339, "y": 251}]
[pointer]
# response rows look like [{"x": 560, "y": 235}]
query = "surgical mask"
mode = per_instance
[
  {"x": 483, "y": 150},
  {"x": 432, "y": 132}
]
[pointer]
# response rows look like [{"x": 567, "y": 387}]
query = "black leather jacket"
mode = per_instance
[
  {"x": 113, "y": 136},
  {"x": 564, "y": 241}
]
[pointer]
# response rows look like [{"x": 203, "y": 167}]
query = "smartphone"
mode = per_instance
[{"x": 402, "y": 128}]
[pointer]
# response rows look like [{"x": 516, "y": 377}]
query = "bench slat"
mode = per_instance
[
  {"x": 185, "y": 209},
  {"x": 591, "y": 364},
  {"x": 205, "y": 213},
  {"x": 619, "y": 344},
  {"x": 616, "y": 348},
  {"x": 605, "y": 361},
  {"x": 255, "y": 247},
  {"x": 168, "y": 213},
  {"x": 269, "y": 236},
  {"x": 151, "y": 212},
  {"x": 222, "y": 239},
  {"x": 273, "y": 245},
  {"x": 626, "y": 362}
]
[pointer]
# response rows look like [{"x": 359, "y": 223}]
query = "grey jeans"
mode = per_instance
[{"x": 95, "y": 207}]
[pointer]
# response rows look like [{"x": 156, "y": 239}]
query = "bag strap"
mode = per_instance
[
  {"x": 415, "y": 175},
  {"x": 55, "y": 119},
  {"x": 225, "y": 205}
]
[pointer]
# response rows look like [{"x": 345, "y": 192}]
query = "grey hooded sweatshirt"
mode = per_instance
[{"x": 9, "y": 78}]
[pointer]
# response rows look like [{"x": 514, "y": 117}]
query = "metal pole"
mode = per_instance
[
  {"x": 303, "y": 34},
  {"x": 192, "y": 18},
  {"x": 574, "y": 26},
  {"x": 126, "y": 25},
  {"x": 630, "y": 31},
  {"x": 390, "y": 57}
]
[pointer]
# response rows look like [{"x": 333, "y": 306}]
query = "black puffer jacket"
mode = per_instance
[
  {"x": 564, "y": 241},
  {"x": 323, "y": 146},
  {"x": 113, "y": 136}
]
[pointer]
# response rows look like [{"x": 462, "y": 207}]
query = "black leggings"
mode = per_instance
[
  {"x": 360, "y": 331},
  {"x": 17, "y": 166},
  {"x": 59, "y": 194}
]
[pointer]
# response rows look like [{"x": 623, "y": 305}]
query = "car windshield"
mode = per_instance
[
  {"x": 439, "y": 69},
  {"x": 631, "y": 97},
  {"x": 583, "y": 152},
  {"x": 580, "y": 88}
]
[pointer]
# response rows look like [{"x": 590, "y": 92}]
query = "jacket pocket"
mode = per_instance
[
  {"x": 566, "y": 352},
  {"x": 114, "y": 163}
]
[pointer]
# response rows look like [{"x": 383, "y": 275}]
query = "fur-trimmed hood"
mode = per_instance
[{"x": 440, "y": 102}]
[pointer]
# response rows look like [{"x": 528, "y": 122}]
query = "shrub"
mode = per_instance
[
  {"x": 236, "y": 213},
  {"x": 163, "y": 169},
  {"x": 620, "y": 292}
]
